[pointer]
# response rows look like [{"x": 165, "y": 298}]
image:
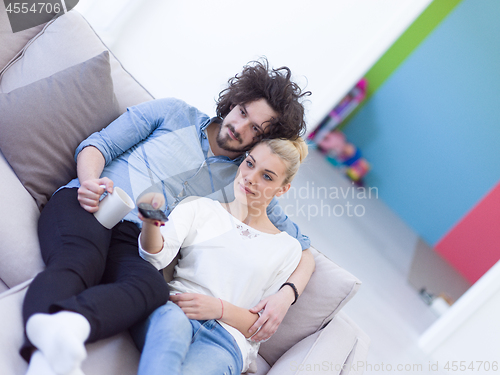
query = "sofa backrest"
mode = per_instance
[
  {"x": 12, "y": 43},
  {"x": 64, "y": 42},
  {"x": 61, "y": 43}
]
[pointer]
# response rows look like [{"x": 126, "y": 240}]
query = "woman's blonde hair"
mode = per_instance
[{"x": 292, "y": 152}]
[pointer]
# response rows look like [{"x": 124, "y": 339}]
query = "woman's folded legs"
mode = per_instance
[{"x": 168, "y": 339}]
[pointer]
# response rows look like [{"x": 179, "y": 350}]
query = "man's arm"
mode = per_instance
[
  {"x": 100, "y": 148},
  {"x": 281, "y": 221},
  {"x": 134, "y": 126},
  {"x": 89, "y": 166},
  {"x": 276, "y": 306}
]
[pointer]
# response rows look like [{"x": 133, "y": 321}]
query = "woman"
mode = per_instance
[{"x": 232, "y": 256}]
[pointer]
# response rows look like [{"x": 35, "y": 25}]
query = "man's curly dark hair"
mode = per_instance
[{"x": 258, "y": 81}]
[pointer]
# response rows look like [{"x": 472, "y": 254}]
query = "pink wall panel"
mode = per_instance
[{"x": 473, "y": 245}]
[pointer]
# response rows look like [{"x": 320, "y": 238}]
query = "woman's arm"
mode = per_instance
[
  {"x": 239, "y": 318},
  {"x": 203, "y": 307},
  {"x": 151, "y": 239},
  {"x": 160, "y": 242}
]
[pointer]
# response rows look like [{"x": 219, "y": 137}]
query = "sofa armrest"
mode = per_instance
[
  {"x": 356, "y": 360},
  {"x": 11, "y": 326},
  {"x": 339, "y": 348}
]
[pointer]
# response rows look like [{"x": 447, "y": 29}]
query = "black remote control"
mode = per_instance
[{"x": 149, "y": 212}]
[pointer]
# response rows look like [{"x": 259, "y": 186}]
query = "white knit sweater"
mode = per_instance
[{"x": 224, "y": 258}]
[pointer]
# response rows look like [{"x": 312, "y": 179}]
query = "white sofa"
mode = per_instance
[{"x": 315, "y": 337}]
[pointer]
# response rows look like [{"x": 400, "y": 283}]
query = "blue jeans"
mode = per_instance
[{"x": 173, "y": 344}]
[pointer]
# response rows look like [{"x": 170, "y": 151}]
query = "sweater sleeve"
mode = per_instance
[{"x": 177, "y": 228}]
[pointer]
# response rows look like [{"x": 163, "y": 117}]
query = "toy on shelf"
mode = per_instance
[
  {"x": 358, "y": 170},
  {"x": 344, "y": 155},
  {"x": 333, "y": 143},
  {"x": 340, "y": 112}
]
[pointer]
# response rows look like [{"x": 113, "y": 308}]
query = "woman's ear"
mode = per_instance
[{"x": 283, "y": 190}]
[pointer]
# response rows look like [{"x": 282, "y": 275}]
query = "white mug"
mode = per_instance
[{"x": 113, "y": 208}]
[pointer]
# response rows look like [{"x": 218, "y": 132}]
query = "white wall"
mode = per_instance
[
  {"x": 470, "y": 329},
  {"x": 188, "y": 49}
]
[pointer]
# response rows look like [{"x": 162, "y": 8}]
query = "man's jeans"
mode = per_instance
[{"x": 173, "y": 344}]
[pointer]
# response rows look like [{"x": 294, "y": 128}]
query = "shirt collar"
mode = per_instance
[
  {"x": 209, "y": 121},
  {"x": 204, "y": 126}
]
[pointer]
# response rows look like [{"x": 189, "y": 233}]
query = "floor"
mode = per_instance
[{"x": 354, "y": 228}]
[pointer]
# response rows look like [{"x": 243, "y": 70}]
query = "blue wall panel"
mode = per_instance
[{"x": 432, "y": 131}]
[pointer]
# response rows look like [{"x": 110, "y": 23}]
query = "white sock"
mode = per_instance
[
  {"x": 77, "y": 371},
  {"x": 61, "y": 339},
  {"x": 39, "y": 365}
]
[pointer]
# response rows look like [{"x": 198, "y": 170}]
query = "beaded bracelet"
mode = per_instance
[{"x": 292, "y": 285}]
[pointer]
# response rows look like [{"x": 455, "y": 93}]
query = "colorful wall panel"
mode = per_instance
[
  {"x": 473, "y": 245},
  {"x": 431, "y": 133}
]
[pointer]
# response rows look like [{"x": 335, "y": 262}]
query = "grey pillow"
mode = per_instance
[
  {"x": 328, "y": 290},
  {"x": 43, "y": 123}
]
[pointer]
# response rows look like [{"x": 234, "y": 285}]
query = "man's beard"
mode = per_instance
[{"x": 223, "y": 142}]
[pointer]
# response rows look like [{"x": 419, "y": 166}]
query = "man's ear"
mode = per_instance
[{"x": 283, "y": 189}]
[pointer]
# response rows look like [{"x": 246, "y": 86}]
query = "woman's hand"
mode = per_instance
[
  {"x": 156, "y": 200},
  {"x": 151, "y": 238},
  {"x": 198, "y": 306}
]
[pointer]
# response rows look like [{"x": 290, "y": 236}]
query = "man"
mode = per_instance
[{"x": 95, "y": 284}]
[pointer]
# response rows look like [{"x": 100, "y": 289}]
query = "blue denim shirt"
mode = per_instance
[{"x": 161, "y": 146}]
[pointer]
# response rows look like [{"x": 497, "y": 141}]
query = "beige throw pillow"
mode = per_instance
[
  {"x": 43, "y": 123},
  {"x": 329, "y": 289}
]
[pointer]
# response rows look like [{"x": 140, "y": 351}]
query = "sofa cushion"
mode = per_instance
[
  {"x": 12, "y": 43},
  {"x": 114, "y": 356},
  {"x": 329, "y": 289},
  {"x": 21, "y": 259},
  {"x": 260, "y": 367},
  {"x": 49, "y": 118},
  {"x": 64, "y": 42}
]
